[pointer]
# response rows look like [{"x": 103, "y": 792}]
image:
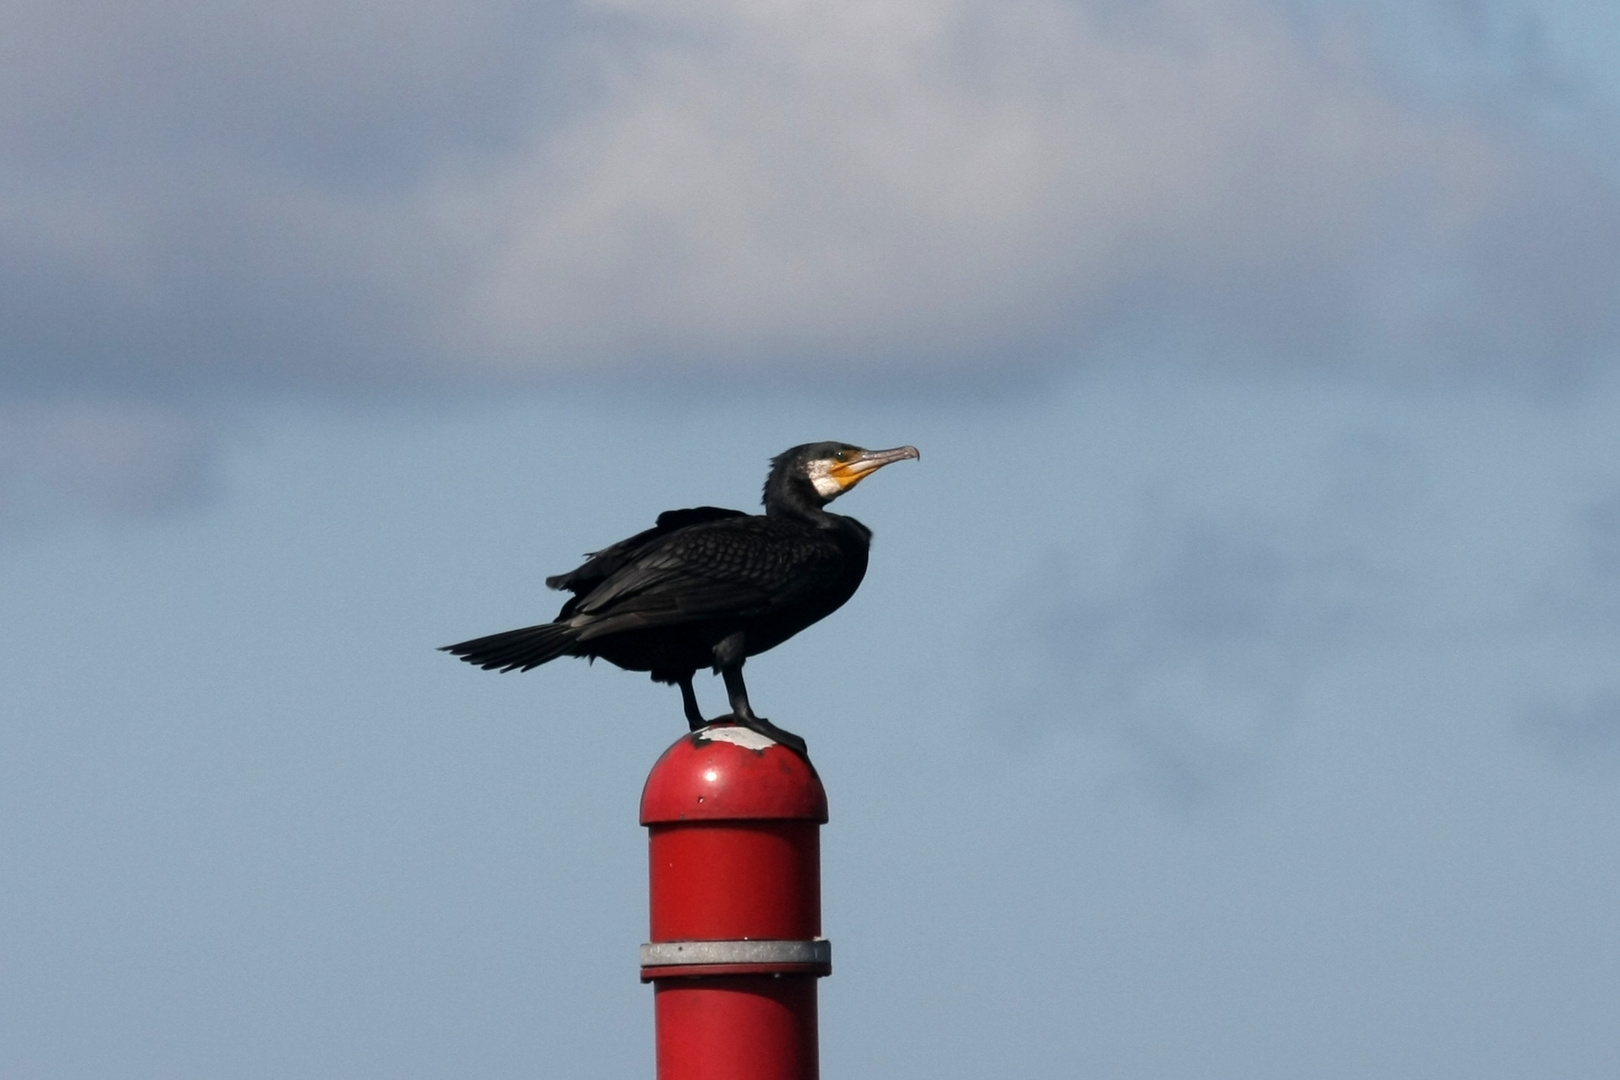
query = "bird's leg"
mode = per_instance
[
  {"x": 694, "y": 715},
  {"x": 743, "y": 714},
  {"x": 737, "y": 691}
]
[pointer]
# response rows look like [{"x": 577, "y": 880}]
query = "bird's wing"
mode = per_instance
[
  {"x": 601, "y": 565},
  {"x": 710, "y": 571}
]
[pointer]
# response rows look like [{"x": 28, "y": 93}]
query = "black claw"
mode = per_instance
[{"x": 771, "y": 731}]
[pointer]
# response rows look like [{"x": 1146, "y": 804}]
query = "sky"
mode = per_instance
[{"x": 1235, "y": 689}]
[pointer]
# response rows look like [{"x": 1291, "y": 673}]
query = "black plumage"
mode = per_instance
[{"x": 709, "y": 587}]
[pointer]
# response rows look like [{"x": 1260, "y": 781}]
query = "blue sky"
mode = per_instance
[{"x": 1234, "y": 692}]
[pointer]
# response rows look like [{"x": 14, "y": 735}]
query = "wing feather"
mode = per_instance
[
  {"x": 600, "y": 565},
  {"x": 707, "y": 570}
]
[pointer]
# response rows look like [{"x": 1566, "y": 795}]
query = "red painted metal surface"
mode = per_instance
[
  {"x": 705, "y": 777},
  {"x": 718, "y": 880},
  {"x": 734, "y": 854},
  {"x": 737, "y": 1027}
]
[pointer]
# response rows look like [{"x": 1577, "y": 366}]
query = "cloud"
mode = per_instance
[
  {"x": 935, "y": 185},
  {"x": 1185, "y": 660},
  {"x": 1599, "y": 528},
  {"x": 199, "y": 203},
  {"x": 319, "y": 196},
  {"x": 1578, "y": 582},
  {"x": 1573, "y": 715},
  {"x": 1191, "y": 656},
  {"x": 98, "y": 460},
  {"x": 1582, "y": 734}
]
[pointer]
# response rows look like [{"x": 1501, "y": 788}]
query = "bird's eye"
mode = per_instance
[{"x": 842, "y": 455}]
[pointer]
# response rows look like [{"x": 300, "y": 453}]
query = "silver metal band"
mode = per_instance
[{"x": 672, "y": 953}]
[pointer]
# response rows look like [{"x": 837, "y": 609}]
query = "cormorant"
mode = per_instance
[{"x": 709, "y": 587}]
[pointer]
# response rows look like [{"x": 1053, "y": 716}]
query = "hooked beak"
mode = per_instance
[{"x": 864, "y": 464}]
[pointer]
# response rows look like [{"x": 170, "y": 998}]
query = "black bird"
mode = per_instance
[{"x": 709, "y": 587}]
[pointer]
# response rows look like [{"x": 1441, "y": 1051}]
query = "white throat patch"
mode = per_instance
[{"x": 826, "y": 486}]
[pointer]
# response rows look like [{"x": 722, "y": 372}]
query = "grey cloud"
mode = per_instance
[
  {"x": 1602, "y": 536},
  {"x": 1575, "y": 719},
  {"x": 1579, "y": 582},
  {"x": 959, "y": 185},
  {"x": 195, "y": 194},
  {"x": 1189, "y": 656},
  {"x": 1192, "y": 656},
  {"x": 317, "y": 195},
  {"x": 99, "y": 460},
  {"x": 340, "y": 198},
  {"x": 1582, "y": 734}
]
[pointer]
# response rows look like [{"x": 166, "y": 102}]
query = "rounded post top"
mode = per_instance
[{"x": 726, "y": 772}]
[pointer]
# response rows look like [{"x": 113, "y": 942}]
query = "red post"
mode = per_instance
[{"x": 735, "y": 850}]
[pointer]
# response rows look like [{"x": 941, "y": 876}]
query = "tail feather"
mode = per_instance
[{"x": 516, "y": 650}]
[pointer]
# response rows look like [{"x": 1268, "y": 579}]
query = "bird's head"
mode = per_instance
[{"x": 828, "y": 469}]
